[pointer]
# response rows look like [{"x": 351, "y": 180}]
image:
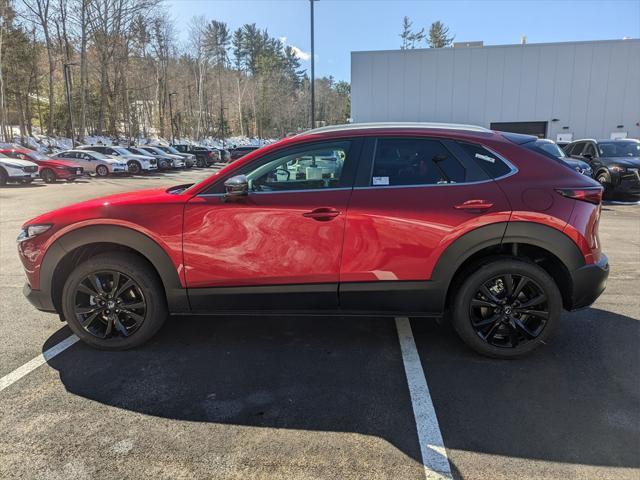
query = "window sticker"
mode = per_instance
[
  {"x": 381, "y": 180},
  {"x": 487, "y": 158}
]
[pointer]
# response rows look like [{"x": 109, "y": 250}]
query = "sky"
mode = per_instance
[{"x": 343, "y": 26}]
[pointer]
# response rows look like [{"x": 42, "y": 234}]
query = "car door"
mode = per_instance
[
  {"x": 590, "y": 155},
  {"x": 280, "y": 246},
  {"x": 413, "y": 197}
]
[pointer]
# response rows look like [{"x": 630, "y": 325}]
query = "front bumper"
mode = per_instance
[
  {"x": 38, "y": 299},
  {"x": 589, "y": 282}
]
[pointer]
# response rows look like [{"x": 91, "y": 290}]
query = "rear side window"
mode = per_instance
[
  {"x": 415, "y": 161},
  {"x": 488, "y": 161}
]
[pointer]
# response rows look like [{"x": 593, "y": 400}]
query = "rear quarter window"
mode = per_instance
[{"x": 487, "y": 160}]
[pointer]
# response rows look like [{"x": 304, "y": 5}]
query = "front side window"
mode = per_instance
[
  {"x": 589, "y": 150},
  {"x": 316, "y": 168},
  {"x": 416, "y": 161}
]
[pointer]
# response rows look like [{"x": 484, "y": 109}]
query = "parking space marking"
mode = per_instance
[
  {"x": 34, "y": 363},
  {"x": 434, "y": 455}
]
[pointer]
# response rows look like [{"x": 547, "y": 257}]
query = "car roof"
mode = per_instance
[{"x": 396, "y": 126}]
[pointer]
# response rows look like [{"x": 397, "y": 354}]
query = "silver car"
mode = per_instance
[
  {"x": 94, "y": 162},
  {"x": 175, "y": 160},
  {"x": 137, "y": 163}
]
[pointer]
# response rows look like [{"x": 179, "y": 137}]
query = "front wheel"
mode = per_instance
[
  {"x": 506, "y": 308},
  {"x": 102, "y": 171},
  {"x": 134, "y": 168},
  {"x": 114, "y": 301},
  {"x": 200, "y": 163}
]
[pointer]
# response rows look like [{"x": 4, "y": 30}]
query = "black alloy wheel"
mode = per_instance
[
  {"x": 109, "y": 304},
  {"x": 48, "y": 176},
  {"x": 505, "y": 307},
  {"x": 509, "y": 310},
  {"x": 134, "y": 168}
]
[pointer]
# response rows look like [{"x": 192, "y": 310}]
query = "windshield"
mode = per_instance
[
  {"x": 551, "y": 148},
  {"x": 122, "y": 150},
  {"x": 169, "y": 150},
  {"x": 38, "y": 156},
  {"x": 619, "y": 149},
  {"x": 152, "y": 150}
]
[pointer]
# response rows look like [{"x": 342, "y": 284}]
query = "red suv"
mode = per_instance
[
  {"x": 49, "y": 169},
  {"x": 421, "y": 220}
]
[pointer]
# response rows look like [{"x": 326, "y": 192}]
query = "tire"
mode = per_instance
[
  {"x": 140, "y": 323},
  {"x": 134, "y": 168},
  {"x": 500, "y": 332},
  {"x": 604, "y": 179},
  {"x": 200, "y": 163},
  {"x": 164, "y": 165},
  {"x": 3, "y": 177},
  {"x": 48, "y": 175},
  {"x": 102, "y": 171}
]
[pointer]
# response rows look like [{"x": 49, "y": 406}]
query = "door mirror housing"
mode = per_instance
[{"x": 237, "y": 186}]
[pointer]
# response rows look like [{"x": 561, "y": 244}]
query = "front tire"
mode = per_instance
[
  {"x": 134, "y": 168},
  {"x": 102, "y": 171},
  {"x": 604, "y": 179},
  {"x": 114, "y": 301},
  {"x": 506, "y": 308}
]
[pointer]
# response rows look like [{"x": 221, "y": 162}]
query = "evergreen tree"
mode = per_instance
[{"x": 439, "y": 35}]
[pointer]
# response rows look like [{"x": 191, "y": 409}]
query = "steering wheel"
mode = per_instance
[{"x": 285, "y": 171}]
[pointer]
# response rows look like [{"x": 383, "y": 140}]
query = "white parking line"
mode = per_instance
[
  {"x": 434, "y": 455},
  {"x": 34, "y": 363}
]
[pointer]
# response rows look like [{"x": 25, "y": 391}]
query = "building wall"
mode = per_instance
[{"x": 590, "y": 87}]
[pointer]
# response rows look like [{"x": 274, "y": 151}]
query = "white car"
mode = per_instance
[
  {"x": 15, "y": 170},
  {"x": 94, "y": 162},
  {"x": 137, "y": 163}
]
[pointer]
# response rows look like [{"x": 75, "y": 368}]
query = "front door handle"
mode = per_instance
[
  {"x": 322, "y": 214},
  {"x": 474, "y": 205}
]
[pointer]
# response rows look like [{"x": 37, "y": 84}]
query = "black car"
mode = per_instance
[
  {"x": 238, "y": 152},
  {"x": 616, "y": 163},
  {"x": 205, "y": 156},
  {"x": 550, "y": 149}
]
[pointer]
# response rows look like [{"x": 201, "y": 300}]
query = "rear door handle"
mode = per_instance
[
  {"x": 474, "y": 205},
  {"x": 322, "y": 214}
]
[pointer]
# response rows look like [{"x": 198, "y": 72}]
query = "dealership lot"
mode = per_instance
[{"x": 273, "y": 397}]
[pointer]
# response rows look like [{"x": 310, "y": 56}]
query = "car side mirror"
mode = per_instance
[
  {"x": 237, "y": 186},
  {"x": 587, "y": 155}
]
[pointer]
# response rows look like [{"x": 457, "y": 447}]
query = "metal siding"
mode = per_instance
[{"x": 591, "y": 87}]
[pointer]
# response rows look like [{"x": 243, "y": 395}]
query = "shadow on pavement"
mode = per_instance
[
  {"x": 575, "y": 400},
  {"x": 308, "y": 373}
]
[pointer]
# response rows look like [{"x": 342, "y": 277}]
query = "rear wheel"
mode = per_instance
[
  {"x": 102, "y": 171},
  {"x": 506, "y": 308},
  {"x": 200, "y": 163},
  {"x": 48, "y": 175},
  {"x": 114, "y": 301}
]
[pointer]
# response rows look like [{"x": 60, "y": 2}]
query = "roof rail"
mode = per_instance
[{"x": 397, "y": 125}]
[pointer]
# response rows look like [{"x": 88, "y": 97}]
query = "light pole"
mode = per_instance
[
  {"x": 67, "y": 83},
  {"x": 173, "y": 138},
  {"x": 313, "y": 87}
]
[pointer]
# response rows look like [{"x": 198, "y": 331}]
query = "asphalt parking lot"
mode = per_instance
[{"x": 271, "y": 397}]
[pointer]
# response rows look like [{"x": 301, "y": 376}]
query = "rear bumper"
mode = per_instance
[
  {"x": 38, "y": 299},
  {"x": 589, "y": 282}
]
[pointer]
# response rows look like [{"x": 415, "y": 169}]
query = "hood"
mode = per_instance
[
  {"x": 135, "y": 156},
  {"x": 629, "y": 162},
  {"x": 15, "y": 162},
  {"x": 112, "y": 206},
  {"x": 574, "y": 162}
]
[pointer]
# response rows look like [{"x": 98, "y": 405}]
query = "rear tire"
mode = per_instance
[
  {"x": 500, "y": 317},
  {"x": 48, "y": 176},
  {"x": 200, "y": 163},
  {"x": 128, "y": 301}
]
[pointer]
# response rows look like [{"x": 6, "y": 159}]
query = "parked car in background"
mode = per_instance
[
  {"x": 205, "y": 156},
  {"x": 189, "y": 158},
  {"x": 136, "y": 164},
  {"x": 551, "y": 149},
  {"x": 615, "y": 163},
  {"x": 562, "y": 144},
  {"x": 378, "y": 219},
  {"x": 49, "y": 169},
  {"x": 167, "y": 159},
  {"x": 225, "y": 155},
  {"x": 17, "y": 170},
  {"x": 239, "y": 152},
  {"x": 95, "y": 162}
]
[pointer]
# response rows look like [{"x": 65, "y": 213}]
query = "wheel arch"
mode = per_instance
[
  {"x": 544, "y": 245},
  {"x": 71, "y": 246}
]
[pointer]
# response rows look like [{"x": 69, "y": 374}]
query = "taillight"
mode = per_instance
[
  {"x": 210, "y": 154},
  {"x": 586, "y": 194}
]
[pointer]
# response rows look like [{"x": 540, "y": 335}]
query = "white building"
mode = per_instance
[{"x": 561, "y": 91}]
